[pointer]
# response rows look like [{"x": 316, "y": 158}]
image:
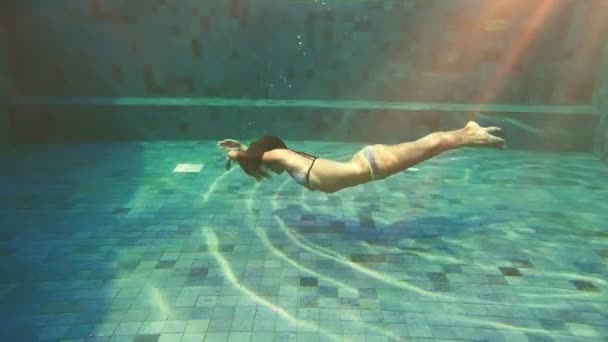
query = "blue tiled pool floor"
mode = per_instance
[{"x": 103, "y": 242}]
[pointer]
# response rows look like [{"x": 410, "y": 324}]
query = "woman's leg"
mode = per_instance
[{"x": 391, "y": 159}]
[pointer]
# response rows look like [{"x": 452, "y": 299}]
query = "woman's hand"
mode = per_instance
[
  {"x": 231, "y": 148},
  {"x": 231, "y": 145}
]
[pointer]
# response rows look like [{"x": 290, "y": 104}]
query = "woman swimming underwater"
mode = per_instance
[{"x": 373, "y": 162}]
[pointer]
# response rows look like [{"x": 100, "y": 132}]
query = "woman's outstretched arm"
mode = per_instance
[{"x": 231, "y": 145}]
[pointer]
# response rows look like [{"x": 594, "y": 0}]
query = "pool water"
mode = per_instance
[{"x": 105, "y": 242}]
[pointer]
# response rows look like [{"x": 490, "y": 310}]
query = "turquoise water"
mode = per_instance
[
  {"x": 102, "y": 102},
  {"x": 106, "y": 242}
]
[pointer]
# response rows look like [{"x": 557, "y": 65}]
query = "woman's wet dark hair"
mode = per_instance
[{"x": 250, "y": 160}]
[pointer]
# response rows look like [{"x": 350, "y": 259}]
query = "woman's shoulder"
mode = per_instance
[
  {"x": 275, "y": 155},
  {"x": 284, "y": 155}
]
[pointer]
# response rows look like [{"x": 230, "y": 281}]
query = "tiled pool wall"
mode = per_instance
[
  {"x": 601, "y": 103},
  {"x": 5, "y": 131},
  {"x": 109, "y": 123},
  {"x": 399, "y": 51},
  {"x": 5, "y": 138}
]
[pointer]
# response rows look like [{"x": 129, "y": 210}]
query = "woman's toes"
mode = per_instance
[{"x": 497, "y": 142}]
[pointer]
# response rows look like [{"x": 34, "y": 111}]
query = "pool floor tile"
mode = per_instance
[{"x": 470, "y": 247}]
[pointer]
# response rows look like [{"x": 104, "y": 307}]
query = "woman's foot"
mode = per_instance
[{"x": 477, "y": 136}]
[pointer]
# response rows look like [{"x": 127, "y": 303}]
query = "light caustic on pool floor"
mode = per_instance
[{"x": 386, "y": 279}]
